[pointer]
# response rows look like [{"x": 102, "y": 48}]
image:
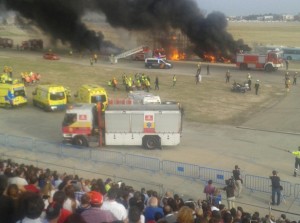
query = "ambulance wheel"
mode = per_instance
[
  {"x": 151, "y": 142},
  {"x": 80, "y": 141}
]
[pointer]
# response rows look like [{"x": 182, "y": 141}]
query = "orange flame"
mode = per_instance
[
  {"x": 175, "y": 55},
  {"x": 210, "y": 58}
]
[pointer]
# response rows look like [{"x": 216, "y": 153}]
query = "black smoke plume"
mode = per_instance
[{"x": 62, "y": 19}]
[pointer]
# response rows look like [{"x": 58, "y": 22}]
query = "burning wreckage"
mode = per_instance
[{"x": 207, "y": 34}]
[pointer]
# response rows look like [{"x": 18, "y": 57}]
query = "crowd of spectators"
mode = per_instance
[{"x": 34, "y": 195}]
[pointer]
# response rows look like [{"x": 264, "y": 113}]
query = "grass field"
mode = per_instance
[
  {"x": 213, "y": 102},
  {"x": 276, "y": 33}
]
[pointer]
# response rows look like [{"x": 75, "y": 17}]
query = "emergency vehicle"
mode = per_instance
[
  {"x": 142, "y": 97},
  {"x": 268, "y": 62},
  {"x": 150, "y": 126},
  {"x": 50, "y": 97},
  {"x": 91, "y": 93},
  {"x": 12, "y": 94}
]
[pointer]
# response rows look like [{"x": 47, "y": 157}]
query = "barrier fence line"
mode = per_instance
[
  {"x": 142, "y": 162},
  {"x": 50, "y": 148},
  {"x": 106, "y": 156},
  {"x": 180, "y": 169},
  {"x": 218, "y": 176},
  {"x": 191, "y": 171},
  {"x": 20, "y": 142},
  {"x": 297, "y": 191},
  {"x": 263, "y": 184}
]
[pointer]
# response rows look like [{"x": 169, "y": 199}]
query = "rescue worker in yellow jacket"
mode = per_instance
[
  {"x": 297, "y": 160},
  {"x": 147, "y": 84}
]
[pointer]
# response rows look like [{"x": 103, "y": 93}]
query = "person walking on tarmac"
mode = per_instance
[
  {"x": 227, "y": 76},
  {"x": 237, "y": 180},
  {"x": 156, "y": 83},
  {"x": 256, "y": 86},
  {"x": 174, "y": 80},
  {"x": 297, "y": 160},
  {"x": 295, "y": 78}
]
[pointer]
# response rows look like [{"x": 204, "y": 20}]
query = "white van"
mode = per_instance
[
  {"x": 142, "y": 97},
  {"x": 157, "y": 63}
]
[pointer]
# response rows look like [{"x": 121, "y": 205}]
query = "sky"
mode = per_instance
[{"x": 250, "y": 7}]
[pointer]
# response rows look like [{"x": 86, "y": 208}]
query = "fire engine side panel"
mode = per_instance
[
  {"x": 240, "y": 58},
  {"x": 262, "y": 59},
  {"x": 129, "y": 127},
  {"x": 123, "y": 128}
]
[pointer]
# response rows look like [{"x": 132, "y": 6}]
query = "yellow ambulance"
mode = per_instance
[
  {"x": 92, "y": 94},
  {"x": 50, "y": 97},
  {"x": 12, "y": 94}
]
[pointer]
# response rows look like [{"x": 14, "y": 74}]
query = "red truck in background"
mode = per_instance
[{"x": 268, "y": 62}]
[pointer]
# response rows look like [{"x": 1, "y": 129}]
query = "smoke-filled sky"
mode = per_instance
[
  {"x": 62, "y": 20},
  {"x": 250, "y": 7}
]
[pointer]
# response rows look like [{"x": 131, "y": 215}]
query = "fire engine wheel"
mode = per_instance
[
  {"x": 269, "y": 68},
  {"x": 80, "y": 141},
  {"x": 151, "y": 142}
]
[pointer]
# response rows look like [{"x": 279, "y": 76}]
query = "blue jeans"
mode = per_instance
[{"x": 274, "y": 192}]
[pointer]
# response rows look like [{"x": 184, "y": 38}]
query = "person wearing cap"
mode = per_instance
[
  {"x": 275, "y": 180},
  {"x": 256, "y": 86},
  {"x": 94, "y": 214},
  {"x": 238, "y": 180},
  {"x": 297, "y": 160}
]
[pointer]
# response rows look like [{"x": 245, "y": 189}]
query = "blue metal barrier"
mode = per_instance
[
  {"x": 217, "y": 176},
  {"x": 20, "y": 142},
  {"x": 142, "y": 162},
  {"x": 106, "y": 156},
  {"x": 3, "y": 139},
  {"x": 81, "y": 153},
  {"x": 46, "y": 147},
  {"x": 263, "y": 184},
  {"x": 180, "y": 169},
  {"x": 297, "y": 191}
]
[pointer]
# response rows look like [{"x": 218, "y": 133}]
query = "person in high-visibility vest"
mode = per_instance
[
  {"x": 115, "y": 84},
  {"x": 174, "y": 80},
  {"x": 147, "y": 84},
  {"x": 138, "y": 84},
  {"x": 297, "y": 160}
]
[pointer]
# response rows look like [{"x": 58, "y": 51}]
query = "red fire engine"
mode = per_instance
[{"x": 269, "y": 62}]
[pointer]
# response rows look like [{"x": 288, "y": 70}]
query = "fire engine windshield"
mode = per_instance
[
  {"x": 55, "y": 96},
  {"x": 19, "y": 92},
  {"x": 69, "y": 119},
  {"x": 98, "y": 98}
]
